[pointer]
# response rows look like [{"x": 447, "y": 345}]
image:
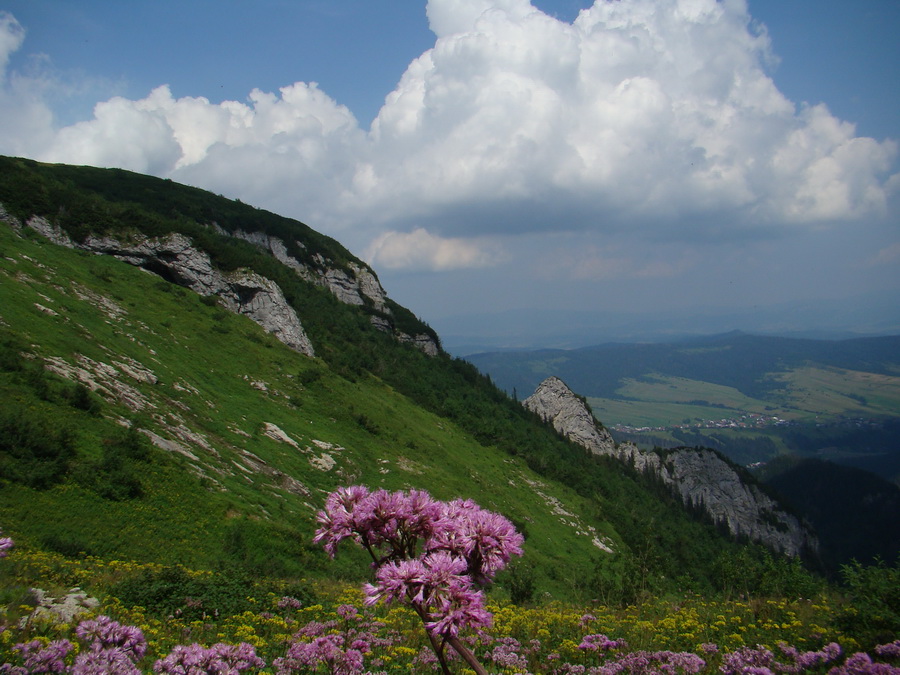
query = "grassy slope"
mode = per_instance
[
  {"x": 396, "y": 417},
  {"x": 206, "y": 361}
]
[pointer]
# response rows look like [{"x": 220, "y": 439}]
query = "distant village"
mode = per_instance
[{"x": 751, "y": 421}]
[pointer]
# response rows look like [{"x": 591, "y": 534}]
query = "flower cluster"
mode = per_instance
[
  {"x": 761, "y": 660},
  {"x": 103, "y": 633},
  {"x": 6, "y": 543},
  {"x": 328, "y": 650},
  {"x": 40, "y": 657},
  {"x": 599, "y": 642},
  {"x": 111, "y": 649},
  {"x": 430, "y": 554},
  {"x": 198, "y": 660}
]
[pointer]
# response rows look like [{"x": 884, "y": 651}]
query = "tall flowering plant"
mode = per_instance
[{"x": 433, "y": 556}]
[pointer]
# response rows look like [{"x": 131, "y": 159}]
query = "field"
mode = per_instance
[
  {"x": 805, "y": 394},
  {"x": 255, "y": 434},
  {"x": 327, "y": 628}
]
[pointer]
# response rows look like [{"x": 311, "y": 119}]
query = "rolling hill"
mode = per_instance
[
  {"x": 185, "y": 377},
  {"x": 751, "y": 396}
]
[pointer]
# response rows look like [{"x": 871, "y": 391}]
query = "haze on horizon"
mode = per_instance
[{"x": 642, "y": 158}]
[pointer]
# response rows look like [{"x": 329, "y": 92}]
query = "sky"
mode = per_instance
[{"x": 617, "y": 157}]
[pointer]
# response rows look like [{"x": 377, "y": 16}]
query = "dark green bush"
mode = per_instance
[
  {"x": 173, "y": 591},
  {"x": 874, "y": 617},
  {"x": 34, "y": 450}
]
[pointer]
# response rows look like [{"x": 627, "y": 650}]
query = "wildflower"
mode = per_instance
[
  {"x": 346, "y": 611},
  {"x": 289, "y": 602},
  {"x": 862, "y": 664},
  {"x": 890, "y": 650},
  {"x": 220, "y": 658},
  {"x": 103, "y": 633},
  {"x": 6, "y": 543},
  {"x": 748, "y": 660},
  {"x": 41, "y": 658},
  {"x": 599, "y": 642},
  {"x": 431, "y": 555},
  {"x": 104, "y": 662},
  {"x": 325, "y": 650}
]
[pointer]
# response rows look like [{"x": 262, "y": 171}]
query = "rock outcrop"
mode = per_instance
[
  {"x": 554, "y": 402},
  {"x": 353, "y": 284},
  {"x": 174, "y": 258},
  {"x": 702, "y": 478}
]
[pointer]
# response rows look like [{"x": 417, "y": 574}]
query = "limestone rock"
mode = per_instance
[
  {"x": 174, "y": 258},
  {"x": 262, "y": 301},
  {"x": 52, "y": 232},
  {"x": 353, "y": 284},
  {"x": 701, "y": 477},
  {"x": 554, "y": 402},
  {"x": 422, "y": 342}
]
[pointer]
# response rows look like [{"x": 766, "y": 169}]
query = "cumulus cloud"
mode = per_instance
[
  {"x": 25, "y": 119},
  {"x": 422, "y": 250},
  {"x": 12, "y": 35},
  {"x": 640, "y": 111},
  {"x": 649, "y": 116}
]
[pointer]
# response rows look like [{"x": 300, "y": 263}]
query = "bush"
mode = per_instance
[
  {"x": 874, "y": 617},
  {"x": 173, "y": 591},
  {"x": 34, "y": 451}
]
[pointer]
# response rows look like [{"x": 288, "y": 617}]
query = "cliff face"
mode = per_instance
[
  {"x": 352, "y": 284},
  {"x": 701, "y": 477},
  {"x": 174, "y": 258}
]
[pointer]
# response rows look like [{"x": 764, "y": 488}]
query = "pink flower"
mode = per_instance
[{"x": 220, "y": 658}]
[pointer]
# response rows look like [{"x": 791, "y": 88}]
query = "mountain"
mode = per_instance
[
  {"x": 748, "y": 363},
  {"x": 868, "y": 315},
  {"x": 752, "y": 397},
  {"x": 855, "y": 512},
  {"x": 185, "y": 377},
  {"x": 819, "y": 420},
  {"x": 703, "y": 479}
]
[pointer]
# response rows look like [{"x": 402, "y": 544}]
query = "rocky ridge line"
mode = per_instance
[
  {"x": 701, "y": 477},
  {"x": 174, "y": 258},
  {"x": 356, "y": 285}
]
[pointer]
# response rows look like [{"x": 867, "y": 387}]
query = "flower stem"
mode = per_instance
[{"x": 467, "y": 655}]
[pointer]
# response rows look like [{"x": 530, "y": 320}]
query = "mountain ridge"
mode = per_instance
[
  {"x": 703, "y": 478},
  {"x": 248, "y": 434}
]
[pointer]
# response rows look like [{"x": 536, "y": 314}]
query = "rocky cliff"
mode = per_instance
[
  {"x": 174, "y": 258},
  {"x": 352, "y": 283},
  {"x": 702, "y": 478}
]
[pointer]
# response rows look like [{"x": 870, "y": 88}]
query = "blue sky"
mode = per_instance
[{"x": 652, "y": 156}]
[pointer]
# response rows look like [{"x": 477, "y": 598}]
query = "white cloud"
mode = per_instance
[
  {"x": 25, "y": 119},
  {"x": 12, "y": 35},
  {"x": 422, "y": 250},
  {"x": 639, "y": 111},
  {"x": 650, "y": 116}
]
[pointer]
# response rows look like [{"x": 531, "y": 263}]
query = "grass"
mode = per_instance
[
  {"x": 807, "y": 394},
  {"x": 838, "y": 391},
  {"x": 220, "y": 382}
]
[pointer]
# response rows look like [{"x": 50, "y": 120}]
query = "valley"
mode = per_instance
[{"x": 185, "y": 379}]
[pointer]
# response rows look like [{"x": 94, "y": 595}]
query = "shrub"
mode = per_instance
[{"x": 34, "y": 450}]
